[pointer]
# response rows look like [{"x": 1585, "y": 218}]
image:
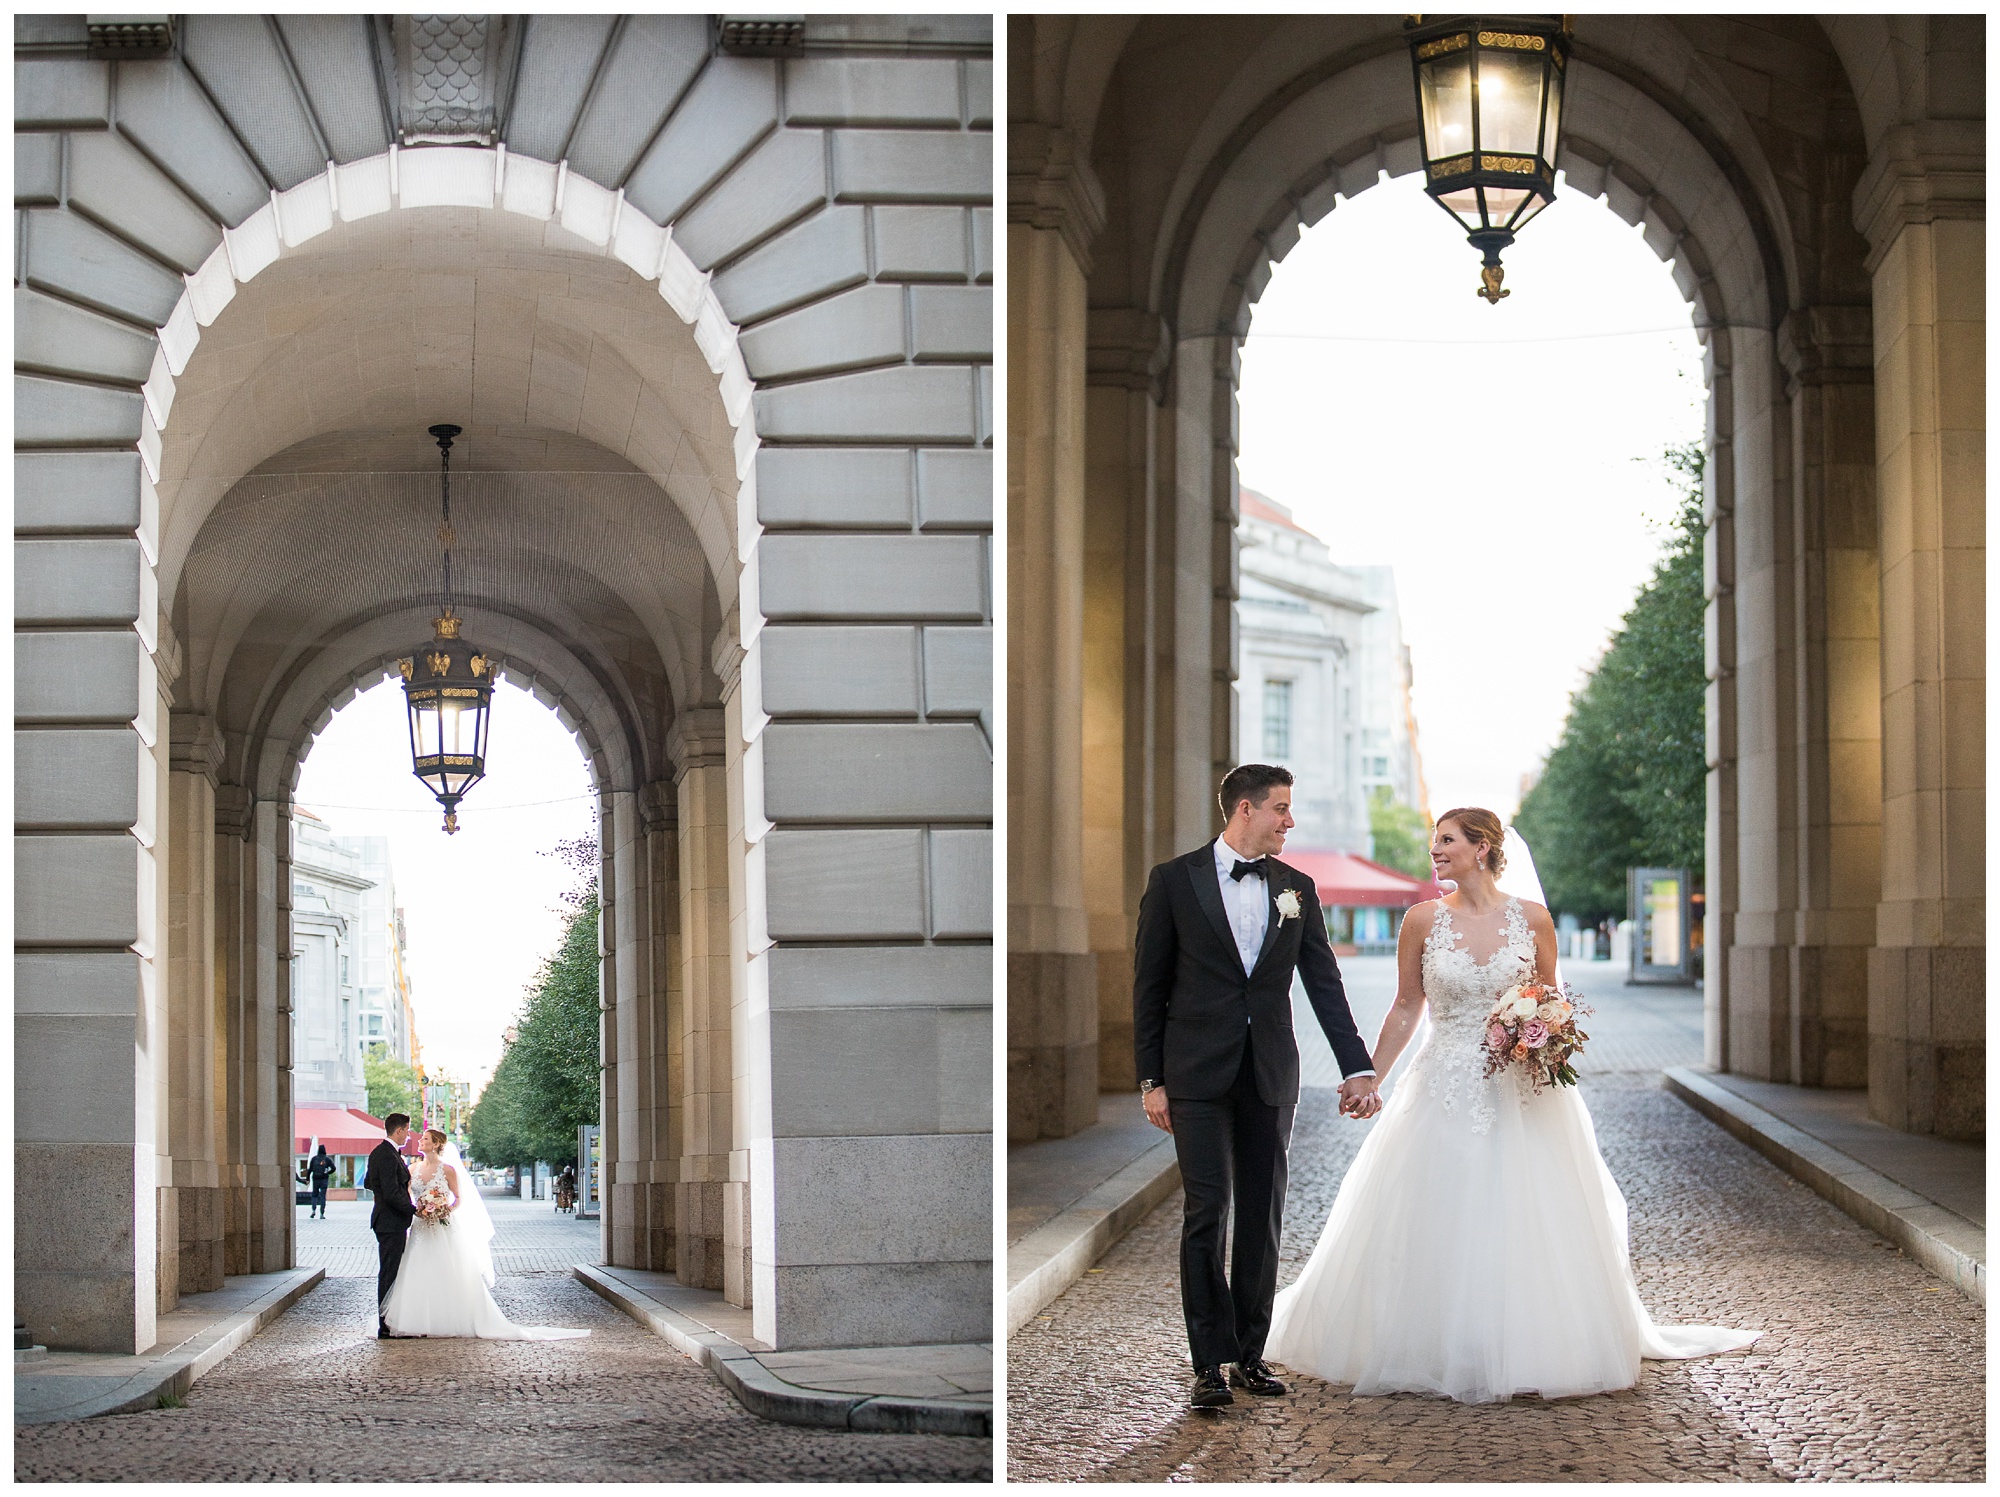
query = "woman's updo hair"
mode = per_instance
[
  {"x": 1481, "y": 825},
  {"x": 438, "y": 1134}
]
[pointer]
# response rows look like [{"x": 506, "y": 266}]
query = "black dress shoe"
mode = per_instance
[
  {"x": 1254, "y": 1377},
  {"x": 1209, "y": 1390}
]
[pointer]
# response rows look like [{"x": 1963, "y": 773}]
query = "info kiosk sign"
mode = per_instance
[{"x": 1664, "y": 940}]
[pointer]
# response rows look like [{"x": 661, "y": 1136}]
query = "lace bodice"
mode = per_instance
[
  {"x": 422, "y": 1179},
  {"x": 1460, "y": 989}
]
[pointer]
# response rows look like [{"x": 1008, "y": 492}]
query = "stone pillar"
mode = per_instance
[
  {"x": 660, "y": 821},
  {"x": 89, "y": 996},
  {"x": 1826, "y": 351},
  {"x": 1719, "y": 700},
  {"x": 1127, "y": 356},
  {"x": 641, "y": 1101},
  {"x": 1766, "y": 691},
  {"x": 1922, "y": 206},
  {"x": 1054, "y": 209},
  {"x": 706, "y": 1122},
  {"x": 197, "y": 1054}
]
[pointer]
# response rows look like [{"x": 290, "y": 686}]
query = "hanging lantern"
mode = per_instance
[
  {"x": 448, "y": 686},
  {"x": 1489, "y": 109}
]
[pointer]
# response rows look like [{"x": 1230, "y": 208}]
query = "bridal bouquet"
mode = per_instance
[
  {"x": 1534, "y": 1026},
  {"x": 434, "y": 1205}
]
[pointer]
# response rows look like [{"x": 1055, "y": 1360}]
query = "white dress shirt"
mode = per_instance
[{"x": 1246, "y": 900}]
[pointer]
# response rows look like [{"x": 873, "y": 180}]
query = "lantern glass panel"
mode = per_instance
[
  {"x": 1502, "y": 201},
  {"x": 1464, "y": 205},
  {"x": 1535, "y": 204},
  {"x": 1510, "y": 101},
  {"x": 1447, "y": 100},
  {"x": 1551, "y": 130}
]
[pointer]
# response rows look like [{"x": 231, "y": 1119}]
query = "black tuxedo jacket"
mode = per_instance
[
  {"x": 389, "y": 1178},
  {"x": 1193, "y": 1007}
]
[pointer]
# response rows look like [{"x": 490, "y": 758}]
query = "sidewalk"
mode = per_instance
[
  {"x": 193, "y": 1339},
  {"x": 1927, "y": 1195},
  {"x": 939, "y": 1390}
]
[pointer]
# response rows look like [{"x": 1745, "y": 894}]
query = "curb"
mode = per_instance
[
  {"x": 769, "y": 1396},
  {"x": 1942, "y": 1241},
  {"x": 180, "y": 1368},
  {"x": 1056, "y": 1254}
]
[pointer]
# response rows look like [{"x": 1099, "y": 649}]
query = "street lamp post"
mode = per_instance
[
  {"x": 448, "y": 685},
  {"x": 1489, "y": 109}
]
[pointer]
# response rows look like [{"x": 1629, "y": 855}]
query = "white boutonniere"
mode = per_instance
[{"x": 1288, "y": 906}]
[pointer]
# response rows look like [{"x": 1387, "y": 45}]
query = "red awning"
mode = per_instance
[
  {"x": 1344, "y": 879},
  {"x": 344, "y": 1130}
]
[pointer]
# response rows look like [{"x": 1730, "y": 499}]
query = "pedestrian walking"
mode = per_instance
[
  {"x": 321, "y": 1172},
  {"x": 566, "y": 1189}
]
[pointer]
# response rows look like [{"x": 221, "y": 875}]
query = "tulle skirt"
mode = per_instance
[
  {"x": 440, "y": 1290},
  {"x": 1477, "y": 1265}
]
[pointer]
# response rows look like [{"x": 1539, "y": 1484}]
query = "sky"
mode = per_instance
[
  {"x": 482, "y": 907},
  {"x": 1503, "y": 459}
]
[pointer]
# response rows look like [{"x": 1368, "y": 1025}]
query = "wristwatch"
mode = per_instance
[{"x": 1146, "y": 1086}]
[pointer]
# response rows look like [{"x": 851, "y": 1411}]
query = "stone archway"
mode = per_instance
[
  {"x": 790, "y": 338},
  {"x": 1163, "y": 218}
]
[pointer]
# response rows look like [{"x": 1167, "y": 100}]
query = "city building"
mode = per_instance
[
  {"x": 350, "y": 981},
  {"x": 1302, "y": 666}
]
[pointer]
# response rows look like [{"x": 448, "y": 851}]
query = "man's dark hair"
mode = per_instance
[
  {"x": 1251, "y": 782},
  {"x": 394, "y": 1121}
]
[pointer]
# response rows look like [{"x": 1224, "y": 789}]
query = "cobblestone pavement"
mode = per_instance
[
  {"x": 1870, "y": 1369},
  {"x": 528, "y": 1237},
  {"x": 316, "y": 1397}
]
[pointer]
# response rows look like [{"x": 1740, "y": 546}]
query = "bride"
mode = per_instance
[
  {"x": 1477, "y": 1247},
  {"x": 442, "y": 1287}
]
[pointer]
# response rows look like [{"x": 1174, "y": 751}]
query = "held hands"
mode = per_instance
[{"x": 1360, "y": 1097}]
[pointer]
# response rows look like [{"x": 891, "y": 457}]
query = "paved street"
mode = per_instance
[
  {"x": 317, "y": 1398},
  {"x": 1869, "y": 1369},
  {"x": 528, "y": 1237}
]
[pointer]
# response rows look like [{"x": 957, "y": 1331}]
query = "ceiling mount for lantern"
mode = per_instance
[
  {"x": 448, "y": 683},
  {"x": 1489, "y": 109}
]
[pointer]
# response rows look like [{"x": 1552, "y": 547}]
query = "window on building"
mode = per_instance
[
  {"x": 374, "y": 1023},
  {"x": 343, "y": 969},
  {"x": 1277, "y": 720}
]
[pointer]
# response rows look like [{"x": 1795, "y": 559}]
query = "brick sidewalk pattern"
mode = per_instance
[
  {"x": 1870, "y": 1370},
  {"x": 317, "y": 1398}
]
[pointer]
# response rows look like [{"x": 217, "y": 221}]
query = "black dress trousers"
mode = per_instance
[
  {"x": 389, "y": 1248},
  {"x": 1237, "y": 1140}
]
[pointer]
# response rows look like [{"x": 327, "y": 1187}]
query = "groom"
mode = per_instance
[
  {"x": 388, "y": 1178},
  {"x": 1221, "y": 931}
]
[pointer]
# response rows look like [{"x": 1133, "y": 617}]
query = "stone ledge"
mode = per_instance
[
  {"x": 1054, "y": 1256},
  {"x": 82, "y": 1385},
  {"x": 1942, "y": 1241},
  {"x": 769, "y": 1396}
]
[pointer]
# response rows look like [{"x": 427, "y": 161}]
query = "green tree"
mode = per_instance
[
  {"x": 493, "y": 1133},
  {"x": 393, "y": 1085},
  {"x": 1626, "y": 785},
  {"x": 1402, "y": 837},
  {"x": 546, "y": 1085}
]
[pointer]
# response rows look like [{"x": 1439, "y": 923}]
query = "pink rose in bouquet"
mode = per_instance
[{"x": 1534, "y": 1034}]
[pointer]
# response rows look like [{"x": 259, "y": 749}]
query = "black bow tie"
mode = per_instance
[{"x": 1242, "y": 868}]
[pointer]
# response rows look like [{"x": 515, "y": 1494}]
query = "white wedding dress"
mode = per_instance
[
  {"x": 1477, "y": 1248},
  {"x": 442, "y": 1288}
]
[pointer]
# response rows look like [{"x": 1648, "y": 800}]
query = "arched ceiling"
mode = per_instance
[
  {"x": 594, "y": 486},
  {"x": 551, "y": 354}
]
